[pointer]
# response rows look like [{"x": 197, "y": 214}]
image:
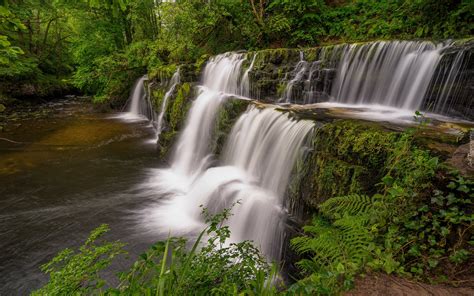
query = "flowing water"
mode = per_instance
[
  {"x": 172, "y": 86},
  {"x": 298, "y": 74},
  {"x": 139, "y": 106},
  {"x": 63, "y": 176},
  {"x": 254, "y": 168},
  {"x": 396, "y": 75}
]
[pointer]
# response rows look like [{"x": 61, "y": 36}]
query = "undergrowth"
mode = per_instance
[
  {"x": 167, "y": 268},
  {"x": 419, "y": 224}
]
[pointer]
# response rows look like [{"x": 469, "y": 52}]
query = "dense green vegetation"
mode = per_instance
[
  {"x": 100, "y": 46},
  {"x": 396, "y": 209},
  {"x": 167, "y": 268},
  {"x": 417, "y": 224}
]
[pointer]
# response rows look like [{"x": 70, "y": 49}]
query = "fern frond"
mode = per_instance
[
  {"x": 356, "y": 236},
  {"x": 346, "y": 240},
  {"x": 353, "y": 204}
]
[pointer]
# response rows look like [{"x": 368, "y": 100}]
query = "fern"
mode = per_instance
[
  {"x": 353, "y": 204},
  {"x": 346, "y": 241},
  {"x": 355, "y": 236}
]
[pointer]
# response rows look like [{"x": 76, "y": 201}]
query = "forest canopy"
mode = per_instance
[{"x": 96, "y": 45}]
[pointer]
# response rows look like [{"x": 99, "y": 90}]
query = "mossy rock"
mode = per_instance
[
  {"x": 162, "y": 73},
  {"x": 347, "y": 156},
  {"x": 227, "y": 116},
  {"x": 175, "y": 116}
]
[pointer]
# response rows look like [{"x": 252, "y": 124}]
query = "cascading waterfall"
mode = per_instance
[
  {"x": 392, "y": 77},
  {"x": 138, "y": 103},
  {"x": 452, "y": 77},
  {"x": 395, "y": 74},
  {"x": 254, "y": 170},
  {"x": 255, "y": 167},
  {"x": 264, "y": 145},
  {"x": 223, "y": 73},
  {"x": 159, "y": 122},
  {"x": 245, "y": 88},
  {"x": 221, "y": 78},
  {"x": 298, "y": 75}
]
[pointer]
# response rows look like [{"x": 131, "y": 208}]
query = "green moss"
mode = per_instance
[
  {"x": 351, "y": 156},
  {"x": 281, "y": 88},
  {"x": 163, "y": 72},
  {"x": 175, "y": 116},
  {"x": 157, "y": 96},
  {"x": 334, "y": 177},
  {"x": 200, "y": 62},
  {"x": 225, "y": 120},
  {"x": 311, "y": 54},
  {"x": 279, "y": 56},
  {"x": 348, "y": 156},
  {"x": 355, "y": 142}
]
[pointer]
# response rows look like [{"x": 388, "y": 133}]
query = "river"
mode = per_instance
[{"x": 63, "y": 175}]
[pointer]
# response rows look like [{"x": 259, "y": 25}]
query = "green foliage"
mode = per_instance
[
  {"x": 167, "y": 268},
  {"x": 418, "y": 224},
  {"x": 89, "y": 37},
  {"x": 8, "y": 53},
  {"x": 216, "y": 269},
  {"x": 78, "y": 272},
  {"x": 353, "y": 205},
  {"x": 338, "y": 242},
  {"x": 438, "y": 233}
]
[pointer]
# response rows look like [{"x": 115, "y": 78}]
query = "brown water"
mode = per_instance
[{"x": 64, "y": 176}]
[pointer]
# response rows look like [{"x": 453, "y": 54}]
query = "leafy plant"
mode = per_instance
[
  {"x": 437, "y": 236},
  {"x": 357, "y": 232},
  {"x": 167, "y": 268},
  {"x": 78, "y": 272}
]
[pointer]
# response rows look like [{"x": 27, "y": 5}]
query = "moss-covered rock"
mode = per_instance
[
  {"x": 175, "y": 116},
  {"x": 227, "y": 116},
  {"x": 347, "y": 156}
]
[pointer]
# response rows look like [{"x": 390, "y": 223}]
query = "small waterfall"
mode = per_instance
[
  {"x": 452, "y": 77},
  {"x": 395, "y": 74},
  {"x": 173, "y": 83},
  {"x": 298, "y": 74},
  {"x": 309, "y": 85},
  {"x": 221, "y": 79},
  {"x": 139, "y": 106},
  {"x": 245, "y": 88},
  {"x": 263, "y": 144},
  {"x": 223, "y": 73},
  {"x": 138, "y": 103}
]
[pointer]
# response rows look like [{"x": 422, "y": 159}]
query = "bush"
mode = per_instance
[{"x": 167, "y": 268}]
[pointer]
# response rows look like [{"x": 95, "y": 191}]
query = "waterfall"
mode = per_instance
[
  {"x": 254, "y": 168},
  {"x": 395, "y": 74},
  {"x": 159, "y": 122},
  {"x": 138, "y": 102},
  {"x": 298, "y": 74},
  {"x": 245, "y": 88},
  {"x": 223, "y": 73},
  {"x": 221, "y": 79},
  {"x": 264, "y": 145},
  {"x": 452, "y": 77}
]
